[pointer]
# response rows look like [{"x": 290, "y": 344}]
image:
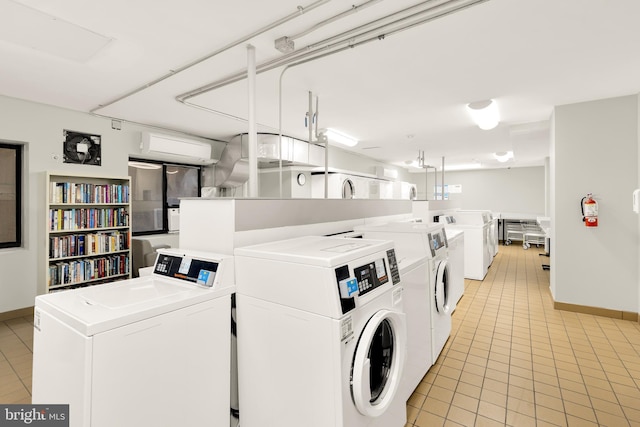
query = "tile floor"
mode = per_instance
[{"x": 512, "y": 360}]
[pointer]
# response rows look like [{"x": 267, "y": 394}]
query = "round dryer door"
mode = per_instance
[
  {"x": 441, "y": 288},
  {"x": 378, "y": 362},
  {"x": 348, "y": 189}
]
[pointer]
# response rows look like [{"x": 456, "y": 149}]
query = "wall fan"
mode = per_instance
[{"x": 81, "y": 148}]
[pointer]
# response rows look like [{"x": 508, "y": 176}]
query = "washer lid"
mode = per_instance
[
  {"x": 103, "y": 307},
  {"x": 316, "y": 250}
]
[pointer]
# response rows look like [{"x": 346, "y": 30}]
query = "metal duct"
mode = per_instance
[{"x": 232, "y": 170}]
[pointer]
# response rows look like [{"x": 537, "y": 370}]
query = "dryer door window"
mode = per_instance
[
  {"x": 348, "y": 189},
  {"x": 378, "y": 362},
  {"x": 441, "y": 288}
]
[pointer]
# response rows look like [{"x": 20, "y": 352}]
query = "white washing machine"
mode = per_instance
[
  {"x": 455, "y": 239},
  {"x": 153, "y": 350},
  {"x": 417, "y": 307},
  {"x": 482, "y": 217},
  {"x": 433, "y": 303},
  {"x": 477, "y": 255},
  {"x": 321, "y": 333}
]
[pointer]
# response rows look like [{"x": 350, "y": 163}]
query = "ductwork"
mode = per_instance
[{"x": 232, "y": 170}]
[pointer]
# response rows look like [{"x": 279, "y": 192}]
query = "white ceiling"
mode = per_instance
[{"x": 397, "y": 95}]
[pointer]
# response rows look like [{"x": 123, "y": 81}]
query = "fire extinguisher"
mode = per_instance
[{"x": 589, "y": 209}]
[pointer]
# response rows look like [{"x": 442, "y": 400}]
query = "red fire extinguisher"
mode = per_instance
[{"x": 589, "y": 211}]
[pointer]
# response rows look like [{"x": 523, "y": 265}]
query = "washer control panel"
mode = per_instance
[{"x": 189, "y": 269}]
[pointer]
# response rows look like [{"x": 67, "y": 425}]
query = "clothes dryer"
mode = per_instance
[
  {"x": 153, "y": 350},
  {"x": 321, "y": 333}
]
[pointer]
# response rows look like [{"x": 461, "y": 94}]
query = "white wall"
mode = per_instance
[
  {"x": 40, "y": 127},
  {"x": 515, "y": 190},
  {"x": 595, "y": 149}
]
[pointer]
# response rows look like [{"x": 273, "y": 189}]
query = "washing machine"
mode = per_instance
[
  {"x": 321, "y": 333},
  {"x": 428, "y": 302},
  {"x": 485, "y": 217},
  {"x": 477, "y": 255},
  {"x": 455, "y": 239},
  {"x": 153, "y": 350}
]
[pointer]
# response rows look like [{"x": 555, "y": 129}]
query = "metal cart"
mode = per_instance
[
  {"x": 526, "y": 231},
  {"x": 532, "y": 235},
  {"x": 513, "y": 231}
]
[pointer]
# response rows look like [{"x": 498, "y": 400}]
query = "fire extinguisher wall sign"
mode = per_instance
[{"x": 589, "y": 209}]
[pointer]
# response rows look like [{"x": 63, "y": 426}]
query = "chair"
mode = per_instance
[{"x": 144, "y": 254}]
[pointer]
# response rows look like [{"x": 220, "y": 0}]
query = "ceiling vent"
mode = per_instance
[{"x": 172, "y": 148}]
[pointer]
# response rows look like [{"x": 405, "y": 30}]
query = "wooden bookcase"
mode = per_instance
[{"x": 88, "y": 230}]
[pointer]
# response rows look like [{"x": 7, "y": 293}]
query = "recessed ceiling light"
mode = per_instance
[
  {"x": 503, "y": 156},
  {"x": 484, "y": 113}
]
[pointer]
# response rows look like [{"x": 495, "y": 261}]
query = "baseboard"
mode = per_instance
[
  {"x": 14, "y": 314},
  {"x": 597, "y": 311}
]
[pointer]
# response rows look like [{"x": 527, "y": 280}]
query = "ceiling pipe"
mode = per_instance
[
  {"x": 300, "y": 10},
  {"x": 346, "y": 40},
  {"x": 352, "y": 10}
]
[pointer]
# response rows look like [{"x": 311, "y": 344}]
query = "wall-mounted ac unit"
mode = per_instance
[{"x": 173, "y": 148}]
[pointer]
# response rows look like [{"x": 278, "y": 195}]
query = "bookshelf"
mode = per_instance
[{"x": 88, "y": 230}]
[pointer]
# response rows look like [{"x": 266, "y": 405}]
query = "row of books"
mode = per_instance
[
  {"x": 87, "y": 244},
  {"x": 71, "y": 192},
  {"x": 68, "y": 273},
  {"x": 83, "y": 218}
]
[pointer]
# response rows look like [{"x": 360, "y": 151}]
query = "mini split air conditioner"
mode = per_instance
[{"x": 168, "y": 147}]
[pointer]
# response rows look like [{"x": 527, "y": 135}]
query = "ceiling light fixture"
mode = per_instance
[
  {"x": 503, "y": 156},
  {"x": 340, "y": 137},
  {"x": 484, "y": 113},
  {"x": 143, "y": 165},
  {"x": 461, "y": 167}
]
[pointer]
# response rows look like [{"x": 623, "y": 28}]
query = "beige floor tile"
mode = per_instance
[
  {"x": 423, "y": 388},
  {"x": 461, "y": 416},
  {"x": 427, "y": 419},
  {"x": 465, "y": 402},
  {"x": 416, "y": 400},
  {"x": 496, "y": 375},
  {"x": 435, "y": 406},
  {"x": 631, "y": 391},
  {"x": 547, "y": 389},
  {"x": 412, "y": 414},
  {"x": 445, "y": 382},
  {"x": 605, "y": 406},
  {"x": 551, "y": 415},
  {"x": 441, "y": 394},
  {"x": 632, "y": 414},
  {"x": 521, "y": 406},
  {"x": 610, "y": 420},
  {"x": 491, "y": 411},
  {"x": 577, "y": 387},
  {"x": 579, "y": 411},
  {"x": 520, "y": 382},
  {"x": 549, "y": 401},
  {"x": 577, "y": 398},
  {"x": 516, "y": 419},
  {"x": 602, "y": 394},
  {"x": 493, "y": 397}
]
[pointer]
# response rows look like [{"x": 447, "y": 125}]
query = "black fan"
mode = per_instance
[{"x": 81, "y": 148}]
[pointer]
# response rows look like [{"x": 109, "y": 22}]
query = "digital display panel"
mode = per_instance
[{"x": 371, "y": 275}]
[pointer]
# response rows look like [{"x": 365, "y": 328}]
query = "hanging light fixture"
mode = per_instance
[{"x": 484, "y": 113}]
